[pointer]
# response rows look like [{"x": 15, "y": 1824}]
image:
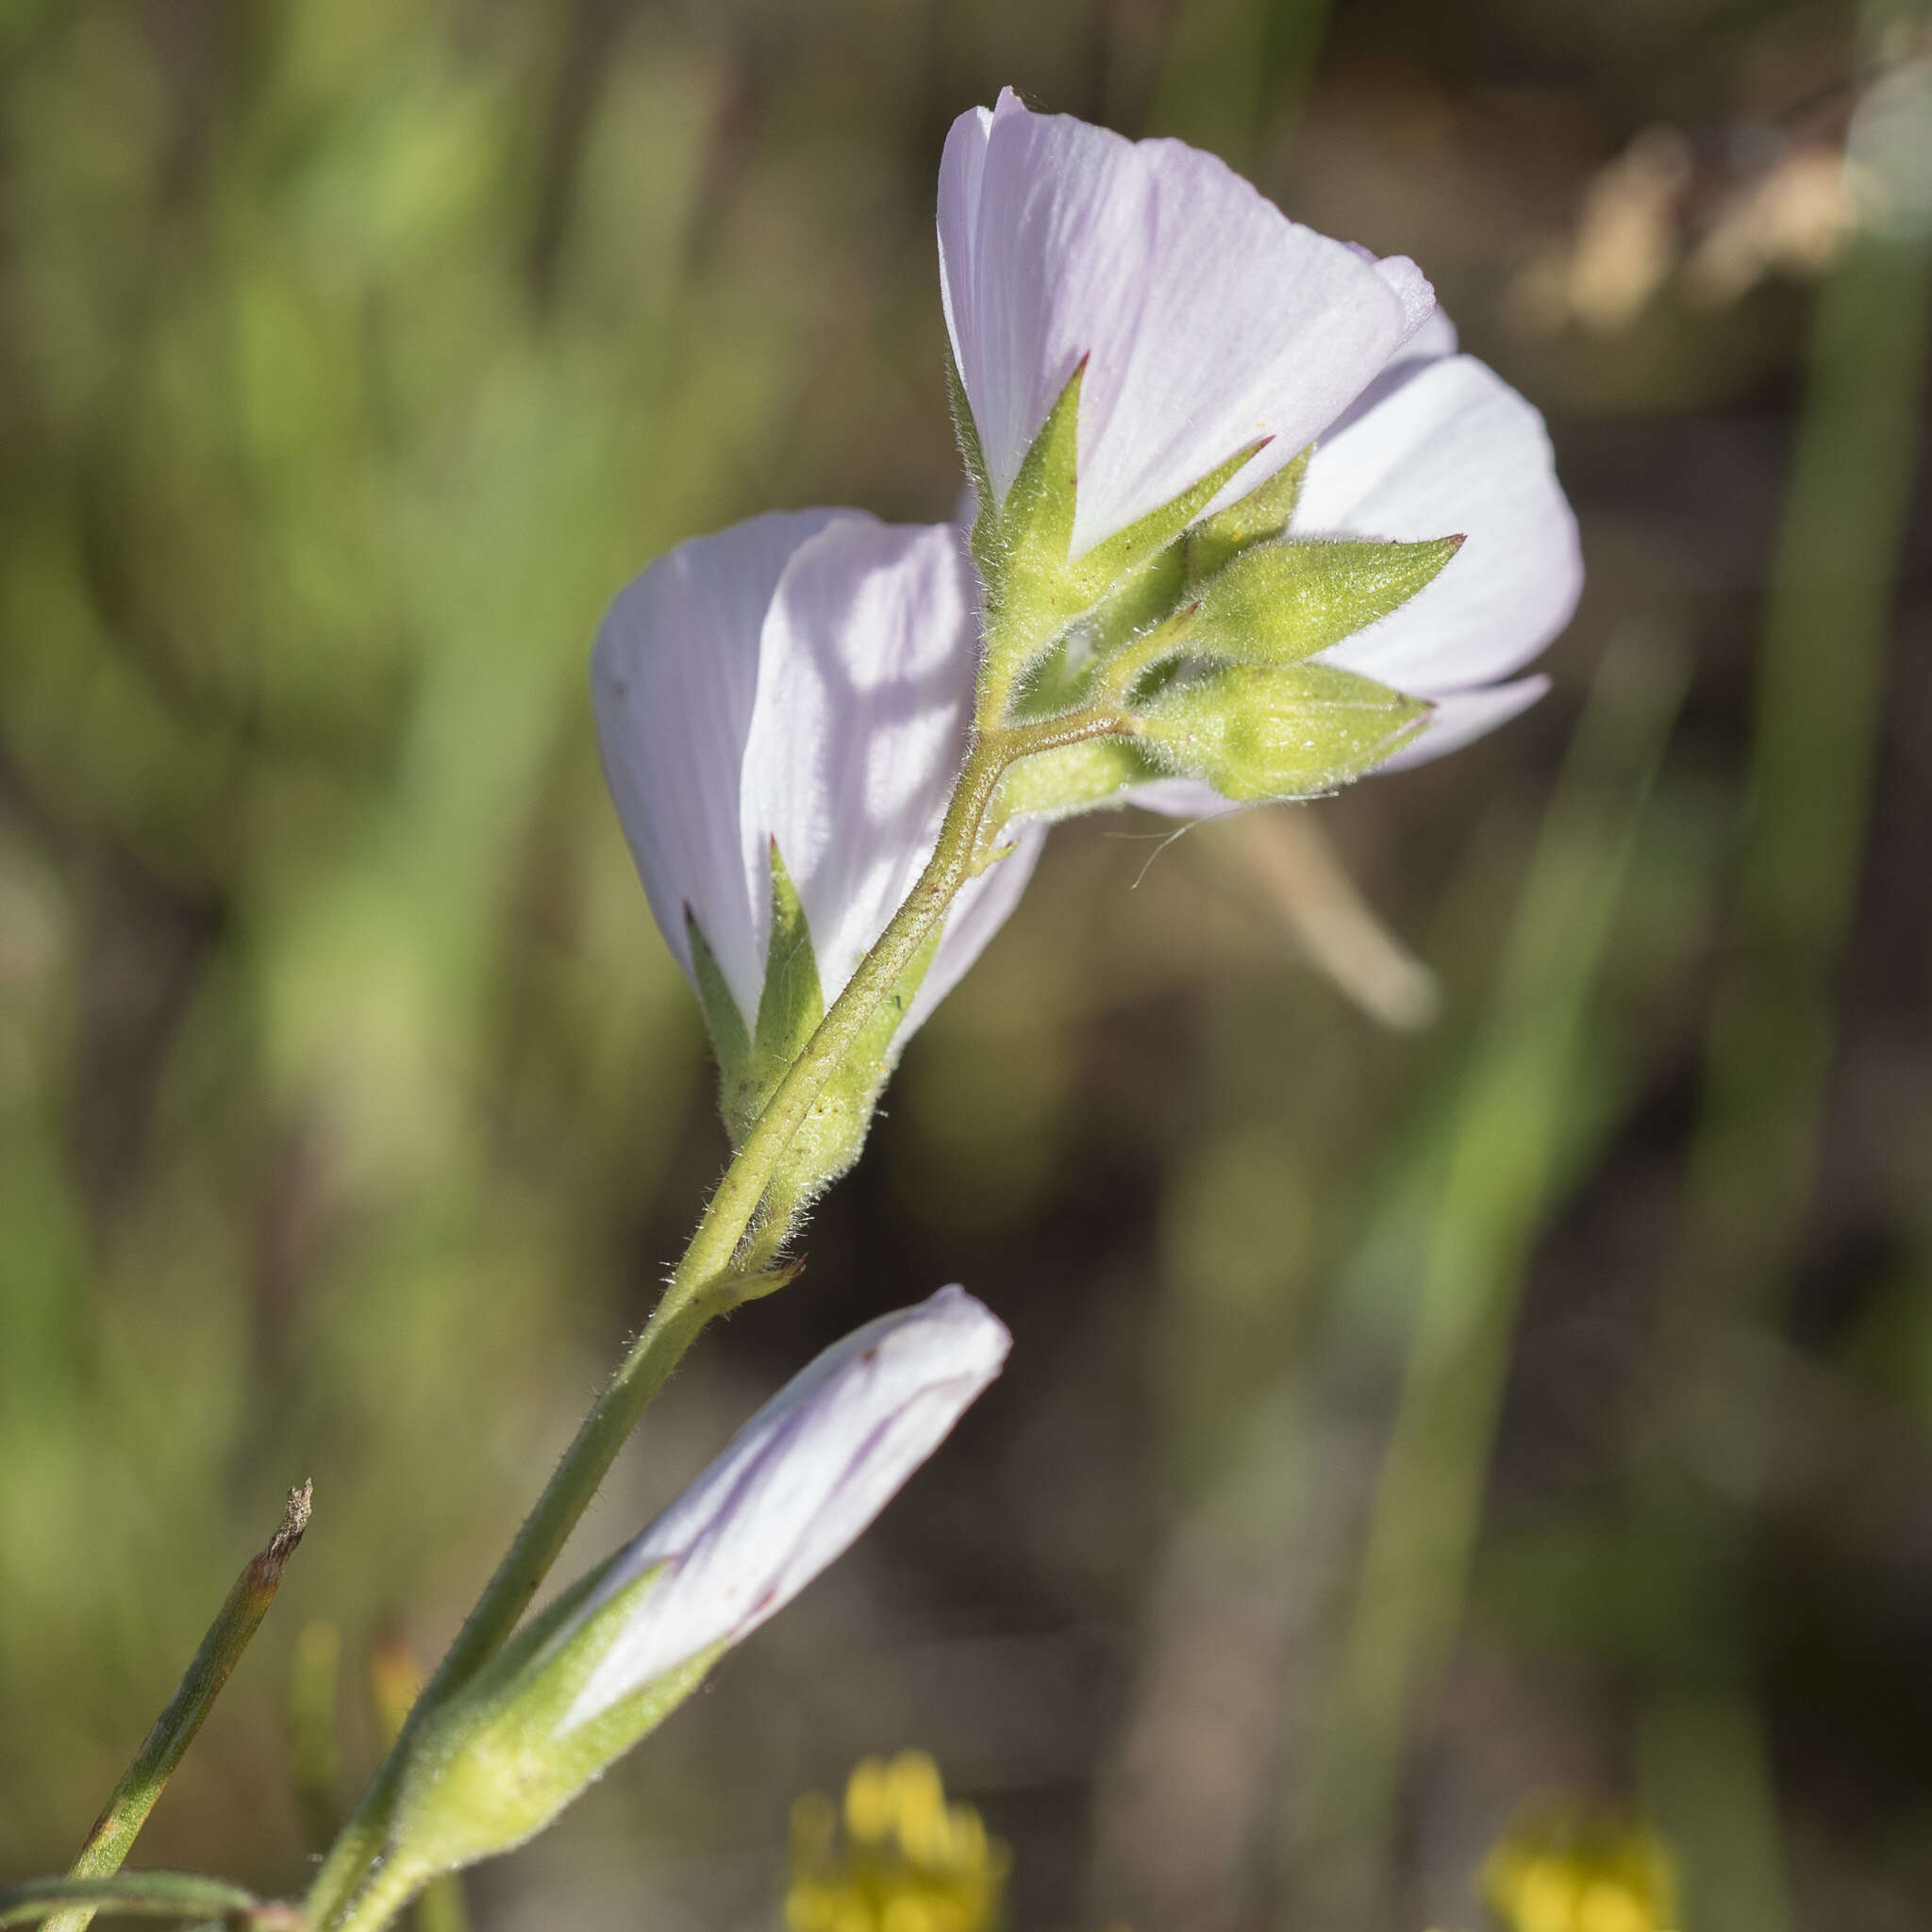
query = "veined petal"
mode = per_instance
[
  {"x": 793, "y": 1492},
  {"x": 1449, "y": 447},
  {"x": 865, "y": 677},
  {"x": 1208, "y": 319},
  {"x": 805, "y": 680},
  {"x": 674, "y": 677}
]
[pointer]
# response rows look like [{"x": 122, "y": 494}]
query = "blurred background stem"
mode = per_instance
[
  {"x": 1752, "y": 1173},
  {"x": 1494, "y": 1195}
]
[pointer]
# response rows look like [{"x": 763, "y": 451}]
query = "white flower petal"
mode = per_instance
[
  {"x": 793, "y": 1492},
  {"x": 1208, "y": 320},
  {"x": 673, "y": 679},
  {"x": 1449, "y": 447},
  {"x": 1435, "y": 338},
  {"x": 1179, "y": 798},
  {"x": 1462, "y": 716},
  {"x": 864, "y": 694},
  {"x": 808, "y": 679}
]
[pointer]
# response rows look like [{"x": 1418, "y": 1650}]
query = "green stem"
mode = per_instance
[
  {"x": 1124, "y": 668},
  {"x": 708, "y": 1282},
  {"x": 388, "y": 1890},
  {"x": 133, "y": 1798}
]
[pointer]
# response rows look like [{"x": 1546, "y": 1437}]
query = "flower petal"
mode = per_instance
[
  {"x": 793, "y": 1489},
  {"x": 806, "y": 679},
  {"x": 865, "y": 680},
  {"x": 1462, "y": 716},
  {"x": 1210, "y": 321},
  {"x": 673, "y": 676},
  {"x": 1449, "y": 447},
  {"x": 1179, "y": 798}
]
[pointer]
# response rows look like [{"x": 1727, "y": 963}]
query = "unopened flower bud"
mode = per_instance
[
  {"x": 1279, "y": 603},
  {"x": 605, "y": 1664},
  {"x": 1257, "y": 733}
]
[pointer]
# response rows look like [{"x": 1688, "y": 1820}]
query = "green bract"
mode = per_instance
[
  {"x": 1034, "y": 589},
  {"x": 1278, "y": 603},
  {"x": 1180, "y": 646}
]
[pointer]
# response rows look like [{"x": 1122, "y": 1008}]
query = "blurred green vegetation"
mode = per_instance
[{"x": 1403, "y": 1424}]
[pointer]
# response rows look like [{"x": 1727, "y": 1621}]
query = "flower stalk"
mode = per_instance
[{"x": 727, "y": 1263}]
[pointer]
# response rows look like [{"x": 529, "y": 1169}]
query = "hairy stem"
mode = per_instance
[{"x": 708, "y": 1282}]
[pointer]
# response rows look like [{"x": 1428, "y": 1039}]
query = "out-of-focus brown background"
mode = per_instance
[{"x": 1473, "y": 1338}]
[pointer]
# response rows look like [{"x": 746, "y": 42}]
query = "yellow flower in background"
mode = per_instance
[
  {"x": 1570, "y": 1868},
  {"x": 909, "y": 1860}
]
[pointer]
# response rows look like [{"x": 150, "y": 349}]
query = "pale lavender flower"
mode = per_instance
[
  {"x": 1207, "y": 319},
  {"x": 792, "y": 1493},
  {"x": 1438, "y": 442},
  {"x": 805, "y": 679}
]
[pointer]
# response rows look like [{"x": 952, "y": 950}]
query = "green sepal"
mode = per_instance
[
  {"x": 723, "y": 1020},
  {"x": 495, "y": 1765},
  {"x": 1036, "y": 593},
  {"x": 1264, "y": 512},
  {"x": 1021, "y": 544},
  {"x": 131, "y": 1894},
  {"x": 967, "y": 430},
  {"x": 1261, "y": 732},
  {"x": 751, "y": 1063},
  {"x": 791, "y": 1005},
  {"x": 1277, "y": 604},
  {"x": 1060, "y": 678},
  {"x": 1107, "y": 565}
]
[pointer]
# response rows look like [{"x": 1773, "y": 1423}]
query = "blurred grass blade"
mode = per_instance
[
  {"x": 134, "y": 1797},
  {"x": 314, "y": 1749},
  {"x": 1285, "y": 862},
  {"x": 1235, "y": 73},
  {"x": 1819, "y": 687},
  {"x": 1704, "y": 1766},
  {"x": 1753, "y": 1167},
  {"x": 129, "y": 1894},
  {"x": 1502, "y": 1146}
]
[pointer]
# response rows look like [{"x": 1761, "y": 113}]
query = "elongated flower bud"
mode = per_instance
[
  {"x": 1260, "y": 733},
  {"x": 796, "y": 1486},
  {"x": 603, "y": 1666}
]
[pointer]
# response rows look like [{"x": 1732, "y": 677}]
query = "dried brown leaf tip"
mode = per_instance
[{"x": 281, "y": 1546}]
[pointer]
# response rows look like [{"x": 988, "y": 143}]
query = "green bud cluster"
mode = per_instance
[
  {"x": 1259, "y": 733},
  {"x": 1183, "y": 646}
]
